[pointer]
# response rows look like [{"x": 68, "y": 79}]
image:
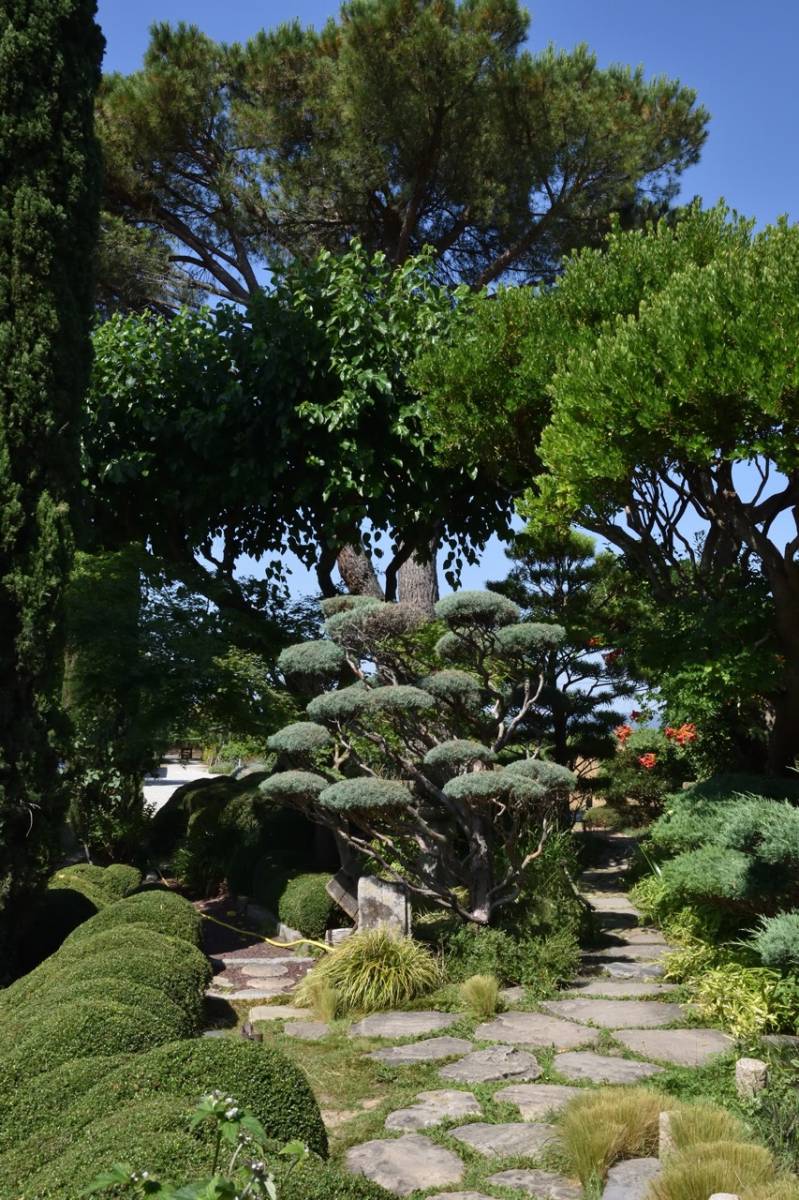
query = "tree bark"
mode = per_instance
[
  {"x": 481, "y": 875},
  {"x": 418, "y": 582},
  {"x": 358, "y": 573}
]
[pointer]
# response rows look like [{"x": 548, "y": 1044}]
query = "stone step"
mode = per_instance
[
  {"x": 617, "y": 1014},
  {"x": 535, "y": 1030},
  {"x": 602, "y": 1068},
  {"x": 683, "y": 1047}
]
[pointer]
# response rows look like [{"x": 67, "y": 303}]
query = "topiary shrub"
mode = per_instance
[
  {"x": 101, "y": 885},
  {"x": 68, "y": 988},
  {"x": 374, "y": 970},
  {"x": 39, "y": 1104},
  {"x": 299, "y": 739},
  {"x": 162, "y": 911},
  {"x": 172, "y": 965},
  {"x": 41, "y": 1040},
  {"x": 305, "y": 905},
  {"x": 320, "y": 1181}
]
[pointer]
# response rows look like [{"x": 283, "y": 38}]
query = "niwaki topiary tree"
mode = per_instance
[{"x": 429, "y": 773}]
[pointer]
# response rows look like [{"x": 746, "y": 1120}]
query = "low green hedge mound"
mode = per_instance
[
  {"x": 41, "y": 1041},
  {"x": 163, "y": 911},
  {"x": 41, "y": 1102},
  {"x": 149, "y": 1097},
  {"x": 169, "y": 964},
  {"x": 305, "y": 905},
  {"x": 101, "y": 885},
  {"x": 121, "y": 990}
]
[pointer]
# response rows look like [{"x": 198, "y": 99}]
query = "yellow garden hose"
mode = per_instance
[{"x": 262, "y": 937}]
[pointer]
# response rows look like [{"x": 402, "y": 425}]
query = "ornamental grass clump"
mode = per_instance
[
  {"x": 608, "y": 1125},
  {"x": 372, "y": 971},
  {"x": 709, "y": 1167},
  {"x": 480, "y": 995}
]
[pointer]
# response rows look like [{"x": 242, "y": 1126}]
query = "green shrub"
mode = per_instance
[
  {"x": 122, "y": 990},
  {"x": 305, "y": 905},
  {"x": 101, "y": 885},
  {"x": 162, "y": 911},
  {"x": 374, "y": 970},
  {"x": 708, "y": 873},
  {"x": 56, "y": 913},
  {"x": 167, "y": 1080},
  {"x": 40, "y": 1041},
  {"x": 747, "y": 1000},
  {"x": 777, "y": 941},
  {"x": 538, "y": 962},
  {"x": 319, "y": 1181},
  {"x": 40, "y": 1103},
  {"x": 171, "y": 965},
  {"x": 775, "y": 1114}
]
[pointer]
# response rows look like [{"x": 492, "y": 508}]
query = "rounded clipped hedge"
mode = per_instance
[
  {"x": 313, "y": 1180},
  {"x": 305, "y": 905},
  {"x": 133, "y": 952},
  {"x": 259, "y": 1077},
  {"x": 40, "y": 1103},
  {"x": 100, "y": 885},
  {"x": 151, "y": 1135},
  {"x": 44, "y": 1039},
  {"x": 163, "y": 911},
  {"x": 122, "y": 990}
]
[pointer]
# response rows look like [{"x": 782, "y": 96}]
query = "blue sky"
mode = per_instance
[{"x": 740, "y": 57}]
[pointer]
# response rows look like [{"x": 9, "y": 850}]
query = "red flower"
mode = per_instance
[
  {"x": 595, "y": 641},
  {"x": 611, "y": 657},
  {"x": 648, "y": 760},
  {"x": 635, "y": 715},
  {"x": 683, "y": 734},
  {"x": 622, "y": 732}
]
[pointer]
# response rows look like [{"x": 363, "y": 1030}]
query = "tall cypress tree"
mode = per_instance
[{"x": 50, "y": 53}]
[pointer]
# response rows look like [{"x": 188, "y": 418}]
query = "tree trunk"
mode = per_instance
[
  {"x": 482, "y": 875},
  {"x": 358, "y": 573},
  {"x": 418, "y": 582}
]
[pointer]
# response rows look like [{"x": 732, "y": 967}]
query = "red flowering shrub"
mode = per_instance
[{"x": 647, "y": 766}]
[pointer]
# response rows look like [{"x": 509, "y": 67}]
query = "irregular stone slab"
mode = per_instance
[
  {"x": 460, "y": 1196},
  {"x": 610, "y": 903},
  {"x": 277, "y": 1012},
  {"x": 684, "y": 1047},
  {"x": 603, "y": 1068},
  {"x": 621, "y": 989},
  {"x": 401, "y": 1165},
  {"x": 430, "y": 1050},
  {"x": 628, "y": 953},
  {"x": 534, "y": 1029},
  {"x": 641, "y": 936},
  {"x": 431, "y": 1108},
  {"x": 630, "y": 1180},
  {"x": 544, "y": 1185},
  {"x": 309, "y": 1031},
  {"x": 781, "y": 1041},
  {"x": 535, "y": 1100},
  {"x": 517, "y": 1138},
  {"x": 513, "y": 995},
  {"x": 496, "y": 1062},
  {"x": 255, "y": 993},
  {"x": 617, "y": 1014},
  {"x": 264, "y": 969},
  {"x": 402, "y": 1024},
  {"x": 629, "y": 970}
]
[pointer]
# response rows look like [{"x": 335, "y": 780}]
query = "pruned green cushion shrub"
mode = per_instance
[
  {"x": 122, "y": 990},
  {"x": 164, "y": 912},
  {"x": 172, "y": 1078},
  {"x": 101, "y": 885},
  {"x": 709, "y": 872},
  {"x": 44, "y": 1039},
  {"x": 40, "y": 1103},
  {"x": 321, "y": 1181},
  {"x": 172, "y": 965},
  {"x": 305, "y": 905}
]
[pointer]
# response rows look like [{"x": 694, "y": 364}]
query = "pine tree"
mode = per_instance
[{"x": 50, "y": 52}]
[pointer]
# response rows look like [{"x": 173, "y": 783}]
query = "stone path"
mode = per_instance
[{"x": 619, "y": 991}]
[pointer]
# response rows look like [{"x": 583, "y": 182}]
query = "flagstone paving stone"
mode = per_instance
[
  {"x": 277, "y": 1012},
  {"x": 534, "y": 1029},
  {"x": 543, "y": 1185},
  {"x": 461, "y": 1196},
  {"x": 492, "y": 1064},
  {"x": 630, "y": 1180},
  {"x": 309, "y": 1031},
  {"x": 535, "y": 1100},
  {"x": 401, "y": 1165},
  {"x": 627, "y": 970},
  {"x": 515, "y": 1139},
  {"x": 683, "y": 1047},
  {"x": 621, "y": 989},
  {"x": 617, "y": 1014},
  {"x": 403, "y": 1024},
  {"x": 430, "y": 1050},
  {"x": 431, "y": 1108},
  {"x": 603, "y": 1068},
  {"x": 629, "y": 953}
]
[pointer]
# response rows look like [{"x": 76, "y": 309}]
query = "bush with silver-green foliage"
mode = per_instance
[{"x": 422, "y": 760}]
